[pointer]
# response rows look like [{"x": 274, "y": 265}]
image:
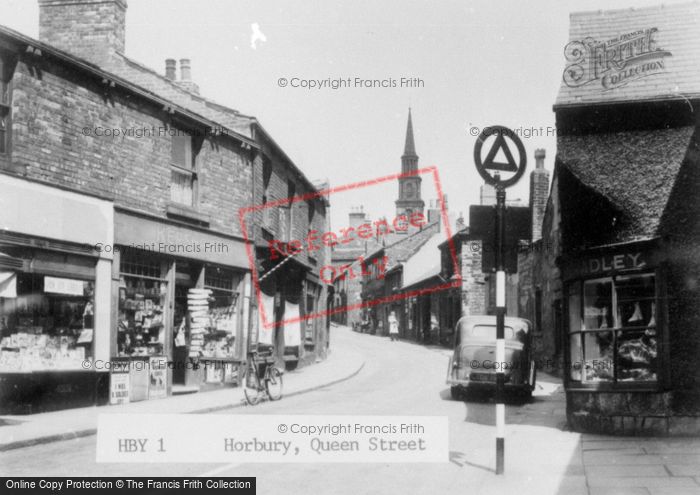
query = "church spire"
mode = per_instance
[
  {"x": 410, "y": 147},
  {"x": 409, "y": 183}
]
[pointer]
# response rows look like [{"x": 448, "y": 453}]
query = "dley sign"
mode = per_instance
[
  {"x": 615, "y": 262},
  {"x": 614, "y": 62}
]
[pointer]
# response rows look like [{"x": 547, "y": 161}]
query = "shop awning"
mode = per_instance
[{"x": 8, "y": 262}]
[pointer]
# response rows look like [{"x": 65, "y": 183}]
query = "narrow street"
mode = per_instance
[{"x": 398, "y": 378}]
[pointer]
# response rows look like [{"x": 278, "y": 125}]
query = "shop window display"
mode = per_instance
[
  {"x": 219, "y": 322},
  {"x": 142, "y": 301},
  {"x": 46, "y": 323},
  {"x": 613, "y": 331}
]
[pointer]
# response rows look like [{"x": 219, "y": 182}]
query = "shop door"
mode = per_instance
[{"x": 186, "y": 277}]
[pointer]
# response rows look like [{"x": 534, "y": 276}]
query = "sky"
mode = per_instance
[{"x": 481, "y": 63}]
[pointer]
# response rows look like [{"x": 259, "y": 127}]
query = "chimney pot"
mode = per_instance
[
  {"x": 185, "y": 70},
  {"x": 539, "y": 158},
  {"x": 170, "y": 68}
]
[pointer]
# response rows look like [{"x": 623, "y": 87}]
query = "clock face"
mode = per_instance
[{"x": 409, "y": 189}]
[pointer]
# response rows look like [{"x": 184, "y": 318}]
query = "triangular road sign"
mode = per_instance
[{"x": 500, "y": 144}]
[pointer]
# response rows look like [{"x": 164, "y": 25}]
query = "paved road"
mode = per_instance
[{"x": 399, "y": 378}]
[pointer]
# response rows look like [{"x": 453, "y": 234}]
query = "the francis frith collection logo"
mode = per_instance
[{"x": 614, "y": 62}]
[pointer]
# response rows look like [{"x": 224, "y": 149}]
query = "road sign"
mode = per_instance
[
  {"x": 491, "y": 169},
  {"x": 495, "y": 172}
]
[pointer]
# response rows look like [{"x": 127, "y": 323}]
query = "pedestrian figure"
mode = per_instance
[{"x": 393, "y": 326}]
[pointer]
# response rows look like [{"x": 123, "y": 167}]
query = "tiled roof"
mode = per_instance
[
  {"x": 634, "y": 171},
  {"x": 643, "y": 54}
]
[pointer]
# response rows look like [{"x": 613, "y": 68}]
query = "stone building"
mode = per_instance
[
  {"x": 119, "y": 196},
  {"x": 615, "y": 278}
]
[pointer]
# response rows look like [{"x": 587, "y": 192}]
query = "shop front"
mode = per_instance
[
  {"x": 617, "y": 336},
  {"x": 54, "y": 298},
  {"x": 284, "y": 298},
  {"x": 179, "y": 316},
  {"x": 624, "y": 221},
  {"x": 628, "y": 355}
]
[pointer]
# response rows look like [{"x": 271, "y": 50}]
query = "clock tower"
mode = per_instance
[{"x": 409, "y": 187}]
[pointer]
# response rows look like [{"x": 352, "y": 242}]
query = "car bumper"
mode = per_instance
[{"x": 486, "y": 385}]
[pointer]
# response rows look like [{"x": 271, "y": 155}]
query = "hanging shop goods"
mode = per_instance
[
  {"x": 141, "y": 330},
  {"x": 613, "y": 333},
  {"x": 213, "y": 316},
  {"x": 198, "y": 307},
  {"x": 46, "y": 323}
]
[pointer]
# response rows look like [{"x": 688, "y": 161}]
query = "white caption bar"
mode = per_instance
[{"x": 264, "y": 438}]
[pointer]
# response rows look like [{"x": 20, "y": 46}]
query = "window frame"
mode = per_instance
[
  {"x": 177, "y": 168},
  {"x": 7, "y": 67},
  {"x": 575, "y": 287}
]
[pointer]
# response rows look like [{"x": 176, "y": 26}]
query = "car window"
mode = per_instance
[{"x": 487, "y": 332}]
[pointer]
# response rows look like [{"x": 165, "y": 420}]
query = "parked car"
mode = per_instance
[{"x": 473, "y": 363}]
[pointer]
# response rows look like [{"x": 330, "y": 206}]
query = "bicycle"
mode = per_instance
[{"x": 255, "y": 387}]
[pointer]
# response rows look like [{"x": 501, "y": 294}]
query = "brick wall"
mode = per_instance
[
  {"x": 55, "y": 117},
  {"x": 91, "y": 29}
]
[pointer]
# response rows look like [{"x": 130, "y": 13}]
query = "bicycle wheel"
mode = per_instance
[
  {"x": 252, "y": 393},
  {"x": 273, "y": 383}
]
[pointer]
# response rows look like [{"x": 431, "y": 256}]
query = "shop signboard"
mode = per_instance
[{"x": 66, "y": 286}]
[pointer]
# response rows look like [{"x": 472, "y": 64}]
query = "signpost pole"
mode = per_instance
[
  {"x": 490, "y": 169},
  {"x": 500, "y": 325}
]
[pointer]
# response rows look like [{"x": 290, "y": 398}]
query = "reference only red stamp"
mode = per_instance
[{"x": 410, "y": 239}]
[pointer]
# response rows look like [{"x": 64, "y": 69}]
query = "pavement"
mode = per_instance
[
  {"x": 26, "y": 430},
  {"x": 545, "y": 457}
]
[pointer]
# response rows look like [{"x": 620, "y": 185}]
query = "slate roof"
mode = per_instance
[
  {"x": 425, "y": 264},
  {"x": 635, "y": 171},
  {"x": 148, "y": 83},
  {"x": 401, "y": 250},
  {"x": 151, "y": 80},
  {"x": 676, "y": 43}
]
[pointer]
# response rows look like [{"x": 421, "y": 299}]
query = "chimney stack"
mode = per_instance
[
  {"x": 185, "y": 71},
  {"x": 459, "y": 224},
  {"x": 487, "y": 195},
  {"x": 357, "y": 217},
  {"x": 539, "y": 193},
  {"x": 435, "y": 210},
  {"x": 90, "y": 29},
  {"x": 185, "y": 81},
  {"x": 170, "y": 68}
]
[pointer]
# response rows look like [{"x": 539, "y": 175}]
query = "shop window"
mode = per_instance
[
  {"x": 183, "y": 185},
  {"x": 46, "y": 323},
  {"x": 222, "y": 313},
  {"x": 613, "y": 332},
  {"x": 143, "y": 294}
]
